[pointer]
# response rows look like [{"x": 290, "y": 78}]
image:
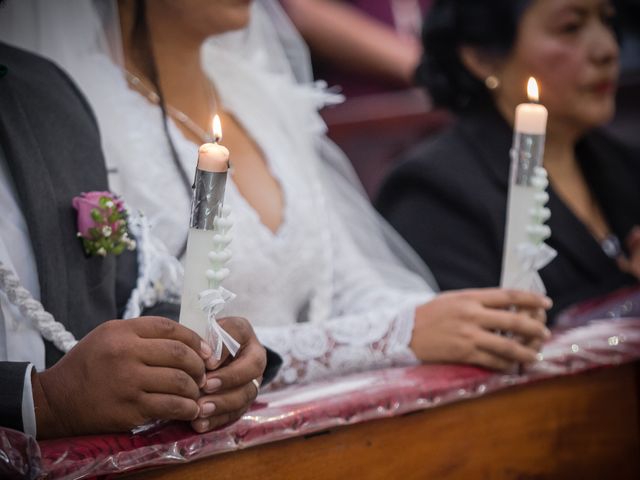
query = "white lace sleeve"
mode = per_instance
[{"x": 369, "y": 325}]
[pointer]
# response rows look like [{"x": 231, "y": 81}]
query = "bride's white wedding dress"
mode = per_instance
[
  {"x": 308, "y": 289},
  {"x": 305, "y": 288}
]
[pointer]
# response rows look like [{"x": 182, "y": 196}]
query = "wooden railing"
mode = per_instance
[{"x": 583, "y": 427}]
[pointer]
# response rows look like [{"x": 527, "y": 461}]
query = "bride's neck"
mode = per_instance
[{"x": 175, "y": 53}]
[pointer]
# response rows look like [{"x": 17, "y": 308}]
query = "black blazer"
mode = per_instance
[
  {"x": 51, "y": 143},
  {"x": 448, "y": 199}
]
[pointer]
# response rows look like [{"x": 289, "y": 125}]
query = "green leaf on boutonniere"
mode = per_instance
[
  {"x": 96, "y": 215},
  {"x": 102, "y": 224}
]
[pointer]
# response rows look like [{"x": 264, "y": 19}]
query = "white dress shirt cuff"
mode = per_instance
[{"x": 28, "y": 406}]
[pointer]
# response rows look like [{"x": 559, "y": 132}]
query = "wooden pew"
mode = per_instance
[{"x": 581, "y": 427}]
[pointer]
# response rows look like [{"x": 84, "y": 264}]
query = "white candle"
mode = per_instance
[
  {"x": 531, "y": 118},
  {"x": 210, "y": 180},
  {"x": 526, "y": 153}
]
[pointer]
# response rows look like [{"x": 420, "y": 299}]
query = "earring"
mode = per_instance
[{"x": 492, "y": 82}]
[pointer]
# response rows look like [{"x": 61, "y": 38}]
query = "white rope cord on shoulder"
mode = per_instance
[
  {"x": 159, "y": 279},
  {"x": 33, "y": 310}
]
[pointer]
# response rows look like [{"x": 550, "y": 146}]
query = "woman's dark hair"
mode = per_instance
[
  {"x": 145, "y": 59},
  {"x": 487, "y": 25}
]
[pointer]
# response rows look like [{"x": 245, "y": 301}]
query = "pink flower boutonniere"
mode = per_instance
[{"x": 102, "y": 224}]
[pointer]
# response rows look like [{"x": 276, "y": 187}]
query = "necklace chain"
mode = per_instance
[{"x": 176, "y": 114}]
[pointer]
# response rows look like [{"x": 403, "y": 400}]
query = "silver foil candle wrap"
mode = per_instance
[
  {"x": 208, "y": 198},
  {"x": 524, "y": 250},
  {"x": 207, "y": 205},
  {"x": 527, "y": 153}
]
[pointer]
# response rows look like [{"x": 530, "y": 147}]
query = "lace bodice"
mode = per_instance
[{"x": 309, "y": 294}]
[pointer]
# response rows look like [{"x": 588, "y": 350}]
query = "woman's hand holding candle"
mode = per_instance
[{"x": 460, "y": 326}]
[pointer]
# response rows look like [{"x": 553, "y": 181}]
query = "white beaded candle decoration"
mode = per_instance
[
  {"x": 537, "y": 231},
  {"x": 220, "y": 253}
]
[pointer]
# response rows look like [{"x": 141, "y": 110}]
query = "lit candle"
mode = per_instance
[
  {"x": 207, "y": 242},
  {"x": 213, "y": 157},
  {"x": 531, "y": 118},
  {"x": 525, "y": 232}
]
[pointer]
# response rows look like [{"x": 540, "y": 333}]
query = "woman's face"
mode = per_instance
[
  {"x": 204, "y": 18},
  {"x": 570, "y": 48}
]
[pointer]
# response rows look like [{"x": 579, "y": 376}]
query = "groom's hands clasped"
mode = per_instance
[{"x": 125, "y": 373}]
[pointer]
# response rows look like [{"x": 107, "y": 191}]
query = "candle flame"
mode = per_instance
[
  {"x": 217, "y": 128},
  {"x": 532, "y": 90}
]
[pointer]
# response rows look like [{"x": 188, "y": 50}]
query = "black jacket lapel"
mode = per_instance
[{"x": 571, "y": 237}]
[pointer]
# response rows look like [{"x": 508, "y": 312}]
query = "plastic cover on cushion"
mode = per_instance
[{"x": 595, "y": 335}]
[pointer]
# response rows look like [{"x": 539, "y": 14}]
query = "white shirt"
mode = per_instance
[{"x": 20, "y": 341}]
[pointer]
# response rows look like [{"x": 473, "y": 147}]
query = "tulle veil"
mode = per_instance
[{"x": 269, "y": 47}]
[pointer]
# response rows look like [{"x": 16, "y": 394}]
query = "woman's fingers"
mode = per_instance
[
  {"x": 457, "y": 326},
  {"x": 489, "y": 360},
  {"x": 505, "y": 298},
  {"x": 507, "y": 348},
  {"x": 539, "y": 314},
  {"x": 534, "y": 344},
  {"x": 518, "y": 323}
]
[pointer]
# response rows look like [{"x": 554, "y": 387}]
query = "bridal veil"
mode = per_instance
[{"x": 67, "y": 31}]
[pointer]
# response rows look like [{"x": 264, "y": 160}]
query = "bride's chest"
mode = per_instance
[{"x": 286, "y": 266}]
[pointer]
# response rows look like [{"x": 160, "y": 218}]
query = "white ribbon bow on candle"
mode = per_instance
[
  {"x": 532, "y": 258},
  {"x": 212, "y": 301}
]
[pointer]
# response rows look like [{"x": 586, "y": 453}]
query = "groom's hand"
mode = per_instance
[
  {"x": 121, "y": 375},
  {"x": 229, "y": 389}
]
